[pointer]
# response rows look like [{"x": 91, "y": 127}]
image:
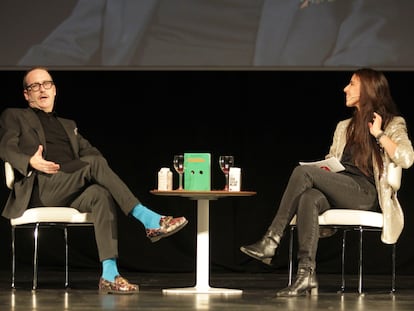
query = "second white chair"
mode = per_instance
[
  {"x": 354, "y": 220},
  {"x": 347, "y": 220}
]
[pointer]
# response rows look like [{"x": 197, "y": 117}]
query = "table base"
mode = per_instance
[
  {"x": 203, "y": 244},
  {"x": 203, "y": 290}
]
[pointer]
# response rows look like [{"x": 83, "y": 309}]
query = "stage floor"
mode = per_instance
[{"x": 258, "y": 292}]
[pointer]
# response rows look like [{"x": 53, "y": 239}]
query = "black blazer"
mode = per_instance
[{"x": 21, "y": 133}]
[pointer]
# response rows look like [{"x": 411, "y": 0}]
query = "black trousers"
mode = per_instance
[
  {"x": 310, "y": 192},
  {"x": 94, "y": 188}
]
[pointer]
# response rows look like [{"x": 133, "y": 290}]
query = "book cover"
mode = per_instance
[{"x": 197, "y": 171}]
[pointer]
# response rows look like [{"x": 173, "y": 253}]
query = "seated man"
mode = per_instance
[{"x": 58, "y": 167}]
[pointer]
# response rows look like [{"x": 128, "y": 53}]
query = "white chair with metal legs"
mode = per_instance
[
  {"x": 43, "y": 217},
  {"x": 348, "y": 220},
  {"x": 354, "y": 220}
]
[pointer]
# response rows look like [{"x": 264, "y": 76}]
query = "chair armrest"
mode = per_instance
[
  {"x": 9, "y": 173},
  {"x": 394, "y": 176}
]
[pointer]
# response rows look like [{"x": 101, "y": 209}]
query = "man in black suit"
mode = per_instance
[{"x": 56, "y": 166}]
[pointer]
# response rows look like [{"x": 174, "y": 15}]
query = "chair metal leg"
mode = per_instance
[
  {"x": 13, "y": 237},
  {"x": 343, "y": 261},
  {"x": 360, "y": 263},
  {"x": 65, "y": 232},
  {"x": 292, "y": 229},
  {"x": 35, "y": 255},
  {"x": 360, "y": 260},
  {"x": 394, "y": 247}
]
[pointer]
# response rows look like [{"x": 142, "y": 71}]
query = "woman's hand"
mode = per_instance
[{"x": 375, "y": 125}]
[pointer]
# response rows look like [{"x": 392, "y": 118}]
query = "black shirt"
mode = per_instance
[
  {"x": 58, "y": 148},
  {"x": 352, "y": 169}
]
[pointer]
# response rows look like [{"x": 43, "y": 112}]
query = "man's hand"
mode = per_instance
[{"x": 42, "y": 165}]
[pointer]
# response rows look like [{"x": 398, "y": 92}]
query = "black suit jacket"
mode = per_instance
[{"x": 21, "y": 133}]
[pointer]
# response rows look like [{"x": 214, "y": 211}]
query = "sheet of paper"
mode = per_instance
[{"x": 331, "y": 164}]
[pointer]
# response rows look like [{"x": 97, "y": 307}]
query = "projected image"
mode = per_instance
[{"x": 295, "y": 34}]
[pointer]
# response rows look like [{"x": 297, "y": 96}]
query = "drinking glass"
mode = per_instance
[
  {"x": 179, "y": 168},
  {"x": 225, "y": 162}
]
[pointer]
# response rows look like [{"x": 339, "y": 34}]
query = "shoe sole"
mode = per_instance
[
  {"x": 267, "y": 261},
  {"x": 157, "y": 238},
  {"x": 307, "y": 292},
  {"x": 116, "y": 292}
]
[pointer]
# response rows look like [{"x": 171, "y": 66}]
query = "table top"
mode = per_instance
[{"x": 207, "y": 195}]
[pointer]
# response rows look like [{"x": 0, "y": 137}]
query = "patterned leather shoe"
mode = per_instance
[
  {"x": 168, "y": 226},
  {"x": 119, "y": 286}
]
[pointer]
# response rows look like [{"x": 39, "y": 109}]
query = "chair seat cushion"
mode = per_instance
[
  {"x": 349, "y": 217},
  {"x": 52, "y": 215}
]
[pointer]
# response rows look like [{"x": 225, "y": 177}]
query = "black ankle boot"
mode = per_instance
[
  {"x": 305, "y": 283},
  {"x": 263, "y": 249}
]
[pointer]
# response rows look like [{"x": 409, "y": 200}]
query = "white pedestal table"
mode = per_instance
[{"x": 202, "y": 284}]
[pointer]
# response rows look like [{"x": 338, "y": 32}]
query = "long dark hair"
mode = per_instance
[{"x": 375, "y": 96}]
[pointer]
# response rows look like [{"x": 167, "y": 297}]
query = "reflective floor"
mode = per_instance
[{"x": 257, "y": 293}]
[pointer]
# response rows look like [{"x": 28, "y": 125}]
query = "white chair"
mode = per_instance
[
  {"x": 353, "y": 220},
  {"x": 48, "y": 216}
]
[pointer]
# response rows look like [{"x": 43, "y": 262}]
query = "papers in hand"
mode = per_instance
[{"x": 331, "y": 164}]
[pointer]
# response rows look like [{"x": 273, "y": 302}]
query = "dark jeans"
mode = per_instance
[
  {"x": 310, "y": 192},
  {"x": 94, "y": 188}
]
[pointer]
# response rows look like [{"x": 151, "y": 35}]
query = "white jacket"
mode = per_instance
[{"x": 386, "y": 188}]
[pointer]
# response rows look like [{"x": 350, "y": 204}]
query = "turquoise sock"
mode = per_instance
[
  {"x": 149, "y": 219},
  {"x": 109, "y": 269}
]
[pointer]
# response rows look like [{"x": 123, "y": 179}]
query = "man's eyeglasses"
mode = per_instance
[{"x": 36, "y": 86}]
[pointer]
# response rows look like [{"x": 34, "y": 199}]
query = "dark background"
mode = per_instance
[{"x": 269, "y": 120}]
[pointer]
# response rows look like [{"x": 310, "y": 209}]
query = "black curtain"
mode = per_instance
[{"x": 269, "y": 120}]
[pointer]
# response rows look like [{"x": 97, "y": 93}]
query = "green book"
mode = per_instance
[{"x": 197, "y": 171}]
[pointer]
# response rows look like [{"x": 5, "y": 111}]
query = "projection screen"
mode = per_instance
[{"x": 230, "y": 34}]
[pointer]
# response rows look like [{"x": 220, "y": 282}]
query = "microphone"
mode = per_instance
[{"x": 352, "y": 97}]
